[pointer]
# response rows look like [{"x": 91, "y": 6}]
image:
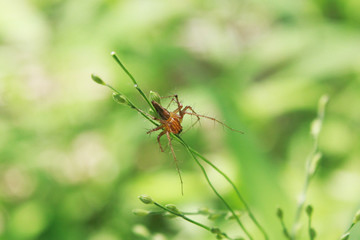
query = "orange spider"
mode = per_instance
[{"x": 170, "y": 122}]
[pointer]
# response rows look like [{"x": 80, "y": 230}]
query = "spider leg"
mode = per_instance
[
  {"x": 158, "y": 139},
  {"x": 211, "y": 118},
  {"x": 178, "y": 103},
  {"x": 172, "y": 99},
  {"x": 176, "y": 99},
  {"x": 183, "y": 112},
  {"x": 176, "y": 162},
  {"x": 155, "y": 129}
]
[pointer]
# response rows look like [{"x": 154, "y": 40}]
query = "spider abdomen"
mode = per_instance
[{"x": 174, "y": 125}]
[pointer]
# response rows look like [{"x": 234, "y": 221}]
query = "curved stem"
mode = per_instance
[
  {"x": 213, "y": 188},
  {"x": 136, "y": 85},
  {"x": 252, "y": 216},
  {"x": 182, "y": 216},
  {"x": 310, "y": 169}
]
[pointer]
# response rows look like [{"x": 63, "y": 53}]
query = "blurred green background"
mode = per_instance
[{"x": 72, "y": 161}]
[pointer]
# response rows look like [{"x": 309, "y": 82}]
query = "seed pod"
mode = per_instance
[
  {"x": 357, "y": 217},
  {"x": 119, "y": 98},
  {"x": 172, "y": 208},
  {"x": 154, "y": 96},
  {"x": 97, "y": 79},
  {"x": 279, "y": 213},
  {"x": 146, "y": 199},
  {"x": 345, "y": 236},
  {"x": 309, "y": 210},
  {"x": 140, "y": 212}
]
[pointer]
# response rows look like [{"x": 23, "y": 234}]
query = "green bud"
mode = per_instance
[
  {"x": 323, "y": 101},
  {"x": 120, "y": 99},
  {"x": 279, "y": 213},
  {"x": 140, "y": 212},
  {"x": 316, "y": 127},
  {"x": 309, "y": 210},
  {"x": 145, "y": 199},
  {"x": 214, "y": 216},
  {"x": 141, "y": 230},
  {"x": 312, "y": 233},
  {"x": 215, "y": 230},
  {"x": 154, "y": 96},
  {"x": 357, "y": 217},
  {"x": 345, "y": 236},
  {"x": 97, "y": 79},
  {"x": 230, "y": 216},
  {"x": 219, "y": 236},
  {"x": 204, "y": 211},
  {"x": 315, "y": 162},
  {"x": 172, "y": 208}
]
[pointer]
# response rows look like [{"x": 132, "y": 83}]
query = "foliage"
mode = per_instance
[{"x": 72, "y": 162}]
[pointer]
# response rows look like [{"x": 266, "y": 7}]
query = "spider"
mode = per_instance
[{"x": 170, "y": 122}]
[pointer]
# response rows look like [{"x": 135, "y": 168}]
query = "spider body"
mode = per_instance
[{"x": 170, "y": 122}]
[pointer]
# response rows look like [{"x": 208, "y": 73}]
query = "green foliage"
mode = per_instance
[{"x": 72, "y": 161}]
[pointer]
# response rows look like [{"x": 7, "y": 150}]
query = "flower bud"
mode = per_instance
[
  {"x": 140, "y": 212},
  {"x": 316, "y": 127},
  {"x": 141, "y": 230},
  {"x": 154, "y": 96},
  {"x": 345, "y": 236},
  {"x": 145, "y": 199},
  {"x": 357, "y": 217},
  {"x": 214, "y": 216},
  {"x": 279, "y": 213},
  {"x": 97, "y": 79},
  {"x": 203, "y": 211},
  {"x": 120, "y": 99},
  {"x": 215, "y": 230},
  {"x": 314, "y": 163},
  {"x": 172, "y": 208},
  {"x": 323, "y": 101},
  {"x": 309, "y": 210},
  {"x": 230, "y": 216},
  {"x": 312, "y": 233}
]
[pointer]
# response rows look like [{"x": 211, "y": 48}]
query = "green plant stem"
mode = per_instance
[
  {"x": 285, "y": 231},
  {"x": 182, "y": 216},
  {"x": 132, "y": 105},
  {"x": 212, "y": 186},
  {"x": 235, "y": 189},
  {"x": 309, "y": 162},
  {"x": 179, "y": 214},
  {"x": 347, "y": 232},
  {"x": 309, "y": 229},
  {"x": 302, "y": 199},
  {"x": 136, "y": 85},
  {"x": 195, "y": 154}
]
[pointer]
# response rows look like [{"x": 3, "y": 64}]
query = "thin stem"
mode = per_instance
[
  {"x": 310, "y": 230},
  {"x": 285, "y": 231},
  {"x": 356, "y": 219},
  {"x": 280, "y": 215},
  {"x": 195, "y": 154},
  {"x": 132, "y": 105},
  {"x": 136, "y": 85},
  {"x": 182, "y": 215},
  {"x": 212, "y": 186},
  {"x": 235, "y": 189},
  {"x": 310, "y": 168}
]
